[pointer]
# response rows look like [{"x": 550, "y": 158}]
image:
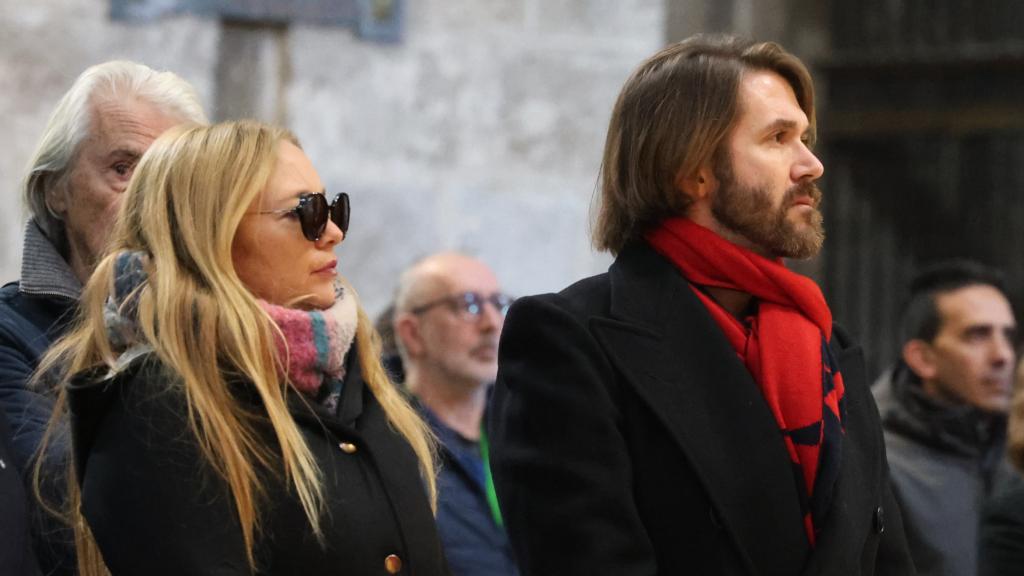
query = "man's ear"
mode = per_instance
[
  {"x": 407, "y": 331},
  {"x": 56, "y": 196},
  {"x": 697, "y": 185},
  {"x": 920, "y": 357}
]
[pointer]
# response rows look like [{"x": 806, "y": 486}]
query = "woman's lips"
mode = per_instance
[{"x": 328, "y": 268}]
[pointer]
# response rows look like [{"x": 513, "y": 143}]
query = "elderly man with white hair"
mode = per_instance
[{"x": 73, "y": 187}]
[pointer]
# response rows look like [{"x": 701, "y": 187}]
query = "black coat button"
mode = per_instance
[{"x": 879, "y": 520}]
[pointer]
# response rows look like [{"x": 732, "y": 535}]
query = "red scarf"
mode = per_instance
[{"x": 784, "y": 345}]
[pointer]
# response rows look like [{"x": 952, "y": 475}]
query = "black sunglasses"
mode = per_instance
[{"x": 313, "y": 212}]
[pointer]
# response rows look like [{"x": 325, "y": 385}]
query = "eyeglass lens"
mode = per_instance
[
  {"x": 473, "y": 303},
  {"x": 313, "y": 214}
]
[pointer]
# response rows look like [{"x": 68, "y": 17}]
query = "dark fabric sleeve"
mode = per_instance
[
  {"x": 1001, "y": 539},
  {"x": 27, "y": 411},
  {"x": 893, "y": 557},
  {"x": 561, "y": 465},
  {"x": 28, "y": 414},
  {"x": 16, "y": 556},
  {"x": 153, "y": 504}
]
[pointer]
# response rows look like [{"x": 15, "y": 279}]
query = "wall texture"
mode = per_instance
[{"x": 481, "y": 131}]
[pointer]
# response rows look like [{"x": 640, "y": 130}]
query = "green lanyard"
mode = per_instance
[{"x": 492, "y": 496}]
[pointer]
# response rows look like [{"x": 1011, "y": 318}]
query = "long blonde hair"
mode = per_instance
[{"x": 182, "y": 208}]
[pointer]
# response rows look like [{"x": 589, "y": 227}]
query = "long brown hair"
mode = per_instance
[
  {"x": 182, "y": 209},
  {"x": 673, "y": 113}
]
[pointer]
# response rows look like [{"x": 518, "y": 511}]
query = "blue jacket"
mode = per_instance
[
  {"x": 33, "y": 313},
  {"x": 16, "y": 556},
  {"x": 473, "y": 542}
]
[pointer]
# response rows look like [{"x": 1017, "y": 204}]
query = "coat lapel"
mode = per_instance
[
  {"x": 361, "y": 419},
  {"x": 660, "y": 336},
  {"x": 856, "y": 497}
]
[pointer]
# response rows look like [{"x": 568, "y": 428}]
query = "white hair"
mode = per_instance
[{"x": 71, "y": 121}]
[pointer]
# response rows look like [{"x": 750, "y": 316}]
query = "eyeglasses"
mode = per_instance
[
  {"x": 469, "y": 306},
  {"x": 313, "y": 212}
]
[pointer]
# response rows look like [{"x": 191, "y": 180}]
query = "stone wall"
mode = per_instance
[{"x": 481, "y": 131}]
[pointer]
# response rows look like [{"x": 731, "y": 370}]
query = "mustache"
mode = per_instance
[
  {"x": 806, "y": 189},
  {"x": 486, "y": 345}
]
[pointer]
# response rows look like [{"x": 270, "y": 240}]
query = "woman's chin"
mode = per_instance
[{"x": 321, "y": 300}]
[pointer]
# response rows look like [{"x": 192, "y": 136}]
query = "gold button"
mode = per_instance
[
  {"x": 393, "y": 564},
  {"x": 348, "y": 447}
]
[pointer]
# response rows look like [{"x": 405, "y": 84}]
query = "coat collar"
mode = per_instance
[
  {"x": 350, "y": 404},
  {"x": 456, "y": 451},
  {"x": 954, "y": 429},
  {"x": 670, "y": 349},
  {"x": 44, "y": 272}
]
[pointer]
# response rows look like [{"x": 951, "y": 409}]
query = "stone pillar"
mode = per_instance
[{"x": 253, "y": 71}]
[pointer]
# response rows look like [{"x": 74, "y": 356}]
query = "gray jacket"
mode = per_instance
[{"x": 943, "y": 462}]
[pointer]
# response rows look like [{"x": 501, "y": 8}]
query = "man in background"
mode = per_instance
[
  {"x": 73, "y": 188},
  {"x": 449, "y": 310},
  {"x": 944, "y": 407}
]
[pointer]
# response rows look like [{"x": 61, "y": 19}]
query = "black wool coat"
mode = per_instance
[
  {"x": 629, "y": 440},
  {"x": 156, "y": 507}
]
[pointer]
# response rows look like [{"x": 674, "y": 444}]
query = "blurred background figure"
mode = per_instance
[
  {"x": 943, "y": 408},
  {"x": 73, "y": 189},
  {"x": 1001, "y": 541},
  {"x": 449, "y": 310}
]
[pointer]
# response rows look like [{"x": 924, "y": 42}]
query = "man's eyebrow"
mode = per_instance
[
  {"x": 133, "y": 153},
  {"x": 980, "y": 329},
  {"x": 781, "y": 124}
]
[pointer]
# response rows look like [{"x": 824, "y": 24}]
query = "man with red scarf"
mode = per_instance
[{"x": 694, "y": 410}]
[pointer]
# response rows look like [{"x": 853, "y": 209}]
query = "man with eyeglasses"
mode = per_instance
[{"x": 449, "y": 311}]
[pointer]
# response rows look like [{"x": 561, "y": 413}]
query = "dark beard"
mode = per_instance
[{"x": 748, "y": 211}]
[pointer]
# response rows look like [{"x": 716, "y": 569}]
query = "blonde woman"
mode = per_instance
[{"x": 229, "y": 412}]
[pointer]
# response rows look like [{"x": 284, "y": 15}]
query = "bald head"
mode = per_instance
[
  {"x": 448, "y": 316},
  {"x": 434, "y": 276}
]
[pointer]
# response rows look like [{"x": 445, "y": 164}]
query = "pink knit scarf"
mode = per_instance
[
  {"x": 315, "y": 342},
  {"x": 311, "y": 352}
]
